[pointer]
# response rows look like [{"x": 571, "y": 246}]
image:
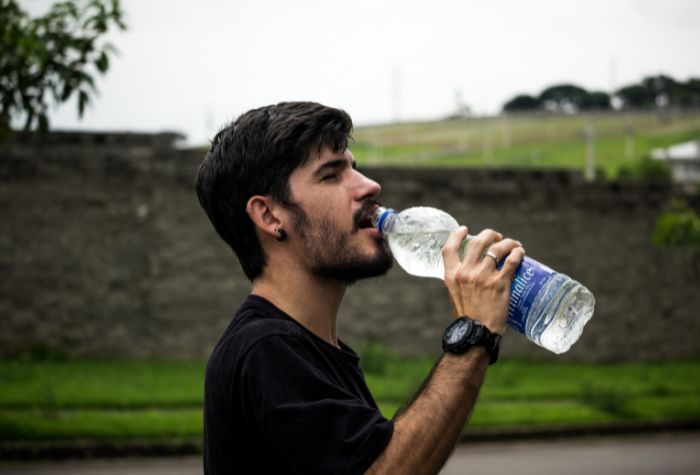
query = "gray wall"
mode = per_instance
[{"x": 104, "y": 251}]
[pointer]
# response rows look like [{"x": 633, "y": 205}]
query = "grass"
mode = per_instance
[
  {"x": 38, "y": 424},
  {"x": 116, "y": 400},
  {"x": 534, "y": 141},
  {"x": 100, "y": 384}
]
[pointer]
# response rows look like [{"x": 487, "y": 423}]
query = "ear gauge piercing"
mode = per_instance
[{"x": 281, "y": 234}]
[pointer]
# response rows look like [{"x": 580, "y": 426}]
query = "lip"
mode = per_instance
[
  {"x": 366, "y": 217},
  {"x": 374, "y": 232}
]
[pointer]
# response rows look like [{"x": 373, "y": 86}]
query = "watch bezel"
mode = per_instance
[{"x": 477, "y": 334}]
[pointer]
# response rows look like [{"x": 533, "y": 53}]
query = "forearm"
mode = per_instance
[{"x": 427, "y": 431}]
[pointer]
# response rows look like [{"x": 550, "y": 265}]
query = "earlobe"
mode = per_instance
[
  {"x": 261, "y": 212},
  {"x": 281, "y": 235}
]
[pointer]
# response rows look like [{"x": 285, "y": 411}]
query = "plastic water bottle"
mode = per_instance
[{"x": 549, "y": 308}]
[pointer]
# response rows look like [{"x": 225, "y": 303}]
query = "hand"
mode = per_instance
[{"x": 476, "y": 288}]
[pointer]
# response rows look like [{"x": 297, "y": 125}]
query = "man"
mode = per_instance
[{"x": 283, "y": 394}]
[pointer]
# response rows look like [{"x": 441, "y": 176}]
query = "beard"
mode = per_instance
[{"x": 331, "y": 253}]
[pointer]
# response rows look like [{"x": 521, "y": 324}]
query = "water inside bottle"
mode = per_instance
[
  {"x": 416, "y": 240},
  {"x": 559, "y": 324},
  {"x": 420, "y": 254}
]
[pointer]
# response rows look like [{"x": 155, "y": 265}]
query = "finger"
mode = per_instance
[
  {"x": 500, "y": 250},
  {"x": 450, "y": 251},
  {"x": 490, "y": 257},
  {"x": 479, "y": 244},
  {"x": 512, "y": 262}
]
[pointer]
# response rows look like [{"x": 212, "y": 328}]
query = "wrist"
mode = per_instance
[
  {"x": 499, "y": 329},
  {"x": 465, "y": 333}
]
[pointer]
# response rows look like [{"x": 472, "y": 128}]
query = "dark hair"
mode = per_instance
[{"x": 255, "y": 155}]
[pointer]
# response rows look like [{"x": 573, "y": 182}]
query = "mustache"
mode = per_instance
[{"x": 363, "y": 213}]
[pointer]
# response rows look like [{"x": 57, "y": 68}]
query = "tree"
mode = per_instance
[
  {"x": 563, "y": 98},
  {"x": 522, "y": 103},
  {"x": 55, "y": 55},
  {"x": 635, "y": 96},
  {"x": 689, "y": 93},
  {"x": 596, "y": 101},
  {"x": 663, "y": 89}
]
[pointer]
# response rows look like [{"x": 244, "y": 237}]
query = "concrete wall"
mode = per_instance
[{"x": 104, "y": 251}]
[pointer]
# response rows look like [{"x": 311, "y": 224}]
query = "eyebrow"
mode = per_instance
[{"x": 333, "y": 164}]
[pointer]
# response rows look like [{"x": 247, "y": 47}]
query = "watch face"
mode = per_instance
[{"x": 457, "y": 332}]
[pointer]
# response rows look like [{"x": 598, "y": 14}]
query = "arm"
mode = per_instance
[{"x": 426, "y": 432}]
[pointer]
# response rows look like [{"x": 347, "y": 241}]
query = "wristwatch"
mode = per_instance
[{"x": 464, "y": 333}]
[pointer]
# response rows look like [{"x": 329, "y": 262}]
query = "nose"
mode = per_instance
[{"x": 366, "y": 188}]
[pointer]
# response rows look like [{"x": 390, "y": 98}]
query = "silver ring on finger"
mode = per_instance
[{"x": 492, "y": 256}]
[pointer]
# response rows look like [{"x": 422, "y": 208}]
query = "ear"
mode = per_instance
[{"x": 261, "y": 210}]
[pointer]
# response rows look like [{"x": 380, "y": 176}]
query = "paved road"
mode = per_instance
[{"x": 649, "y": 455}]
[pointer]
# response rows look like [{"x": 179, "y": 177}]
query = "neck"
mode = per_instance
[{"x": 310, "y": 300}]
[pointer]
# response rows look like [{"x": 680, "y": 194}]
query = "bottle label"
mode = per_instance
[{"x": 529, "y": 279}]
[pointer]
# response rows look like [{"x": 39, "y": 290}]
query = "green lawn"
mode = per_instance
[
  {"x": 42, "y": 400},
  {"x": 541, "y": 142}
]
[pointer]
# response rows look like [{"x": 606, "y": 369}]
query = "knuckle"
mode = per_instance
[
  {"x": 517, "y": 254},
  {"x": 489, "y": 235},
  {"x": 465, "y": 275},
  {"x": 509, "y": 242}
]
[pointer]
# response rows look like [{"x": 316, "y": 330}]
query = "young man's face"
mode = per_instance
[{"x": 331, "y": 218}]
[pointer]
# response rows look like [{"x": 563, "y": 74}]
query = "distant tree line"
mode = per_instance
[{"x": 651, "y": 92}]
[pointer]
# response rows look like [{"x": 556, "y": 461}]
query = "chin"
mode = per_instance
[{"x": 359, "y": 268}]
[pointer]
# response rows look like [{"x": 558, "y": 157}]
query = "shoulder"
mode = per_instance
[
  {"x": 257, "y": 326},
  {"x": 252, "y": 327}
]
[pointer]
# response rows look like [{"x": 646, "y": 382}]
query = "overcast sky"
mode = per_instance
[{"x": 190, "y": 66}]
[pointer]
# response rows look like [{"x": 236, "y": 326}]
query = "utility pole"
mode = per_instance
[
  {"x": 629, "y": 138},
  {"x": 589, "y": 133},
  {"x": 395, "y": 93}
]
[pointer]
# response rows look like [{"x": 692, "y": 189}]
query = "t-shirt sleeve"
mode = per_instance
[{"x": 316, "y": 424}]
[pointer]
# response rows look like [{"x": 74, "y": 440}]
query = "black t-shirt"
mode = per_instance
[{"x": 279, "y": 399}]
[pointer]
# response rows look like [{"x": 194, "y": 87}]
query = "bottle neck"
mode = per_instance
[{"x": 383, "y": 219}]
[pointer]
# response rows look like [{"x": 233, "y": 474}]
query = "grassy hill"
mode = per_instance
[{"x": 547, "y": 141}]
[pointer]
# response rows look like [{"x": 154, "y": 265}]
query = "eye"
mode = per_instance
[{"x": 329, "y": 177}]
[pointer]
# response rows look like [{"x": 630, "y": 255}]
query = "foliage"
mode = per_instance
[
  {"x": 651, "y": 92},
  {"x": 605, "y": 397},
  {"x": 566, "y": 98},
  {"x": 646, "y": 170},
  {"x": 374, "y": 357},
  {"x": 635, "y": 96},
  {"x": 563, "y": 98},
  {"x": 660, "y": 91},
  {"x": 522, "y": 103},
  {"x": 678, "y": 228},
  {"x": 57, "y": 55},
  {"x": 596, "y": 100}
]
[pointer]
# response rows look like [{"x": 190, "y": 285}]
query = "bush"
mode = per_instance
[
  {"x": 374, "y": 357},
  {"x": 680, "y": 228},
  {"x": 646, "y": 170},
  {"x": 605, "y": 397}
]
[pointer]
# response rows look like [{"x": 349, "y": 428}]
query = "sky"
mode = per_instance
[{"x": 192, "y": 66}]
